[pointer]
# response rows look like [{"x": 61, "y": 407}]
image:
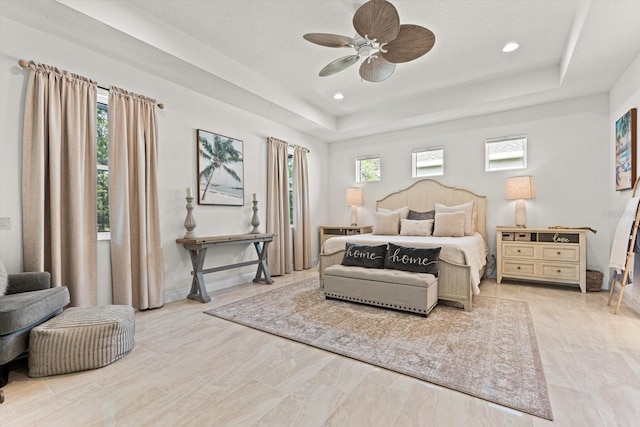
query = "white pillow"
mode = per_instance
[
  {"x": 403, "y": 211},
  {"x": 386, "y": 224},
  {"x": 4, "y": 279},
  {"x": 410, "y": 227},
  {"x": 449, "y": 224},
  {"x": 467, "y": 208}
]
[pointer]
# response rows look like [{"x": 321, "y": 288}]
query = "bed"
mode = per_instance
[{"x": 462, "y": 259}]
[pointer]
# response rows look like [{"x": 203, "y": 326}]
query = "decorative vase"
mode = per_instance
[
  {"x": 190, "y": 221},
  {"x": 254, "y": 220}
]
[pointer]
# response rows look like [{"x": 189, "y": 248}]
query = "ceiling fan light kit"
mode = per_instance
[{"x": 380, "y": 42}]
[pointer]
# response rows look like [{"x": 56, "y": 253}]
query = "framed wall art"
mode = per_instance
[
  {"x": 220, "y": 170},
  {"x": 626, "y": 129}
]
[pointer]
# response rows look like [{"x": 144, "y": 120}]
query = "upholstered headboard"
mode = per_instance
[{"x": 422, "y": 196}]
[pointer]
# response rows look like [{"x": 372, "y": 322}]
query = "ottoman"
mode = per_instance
[{"x": 81, "y": 338}]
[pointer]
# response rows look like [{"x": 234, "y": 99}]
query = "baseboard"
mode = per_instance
[{"x": 178, "y": 294}]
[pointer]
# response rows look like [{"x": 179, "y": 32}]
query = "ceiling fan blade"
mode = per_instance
[
  {"x": 329, "y": 40},
  {"x": 412, "y": 42},
  {"x": 376, "y": 70},
  {"x": 339, "y": 65},
  {"x": 377, "y": 19}
]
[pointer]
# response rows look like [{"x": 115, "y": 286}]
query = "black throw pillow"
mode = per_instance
[
  {"x": 364, "y": 256},
  {"x": 416, "y": 260}
]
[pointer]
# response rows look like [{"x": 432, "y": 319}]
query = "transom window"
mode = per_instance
[
  {"x": 427, "y": 161},
  {"x": 368, "y": 169},
  {"x": 504, "y": 153}
]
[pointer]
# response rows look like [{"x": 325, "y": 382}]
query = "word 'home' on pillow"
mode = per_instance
[
  {"x": 364, "y": 256},
  {"x": 416, "y": 260}
]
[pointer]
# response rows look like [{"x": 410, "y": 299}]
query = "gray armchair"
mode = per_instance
[{"x": 29, "y": 300}]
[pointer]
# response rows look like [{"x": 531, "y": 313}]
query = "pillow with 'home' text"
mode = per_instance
[
  {"x": 364, "y": 256},
  {"x": 416, "y": 260}
]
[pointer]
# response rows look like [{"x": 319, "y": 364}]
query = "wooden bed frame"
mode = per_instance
[{"x": 454, "y": 282}]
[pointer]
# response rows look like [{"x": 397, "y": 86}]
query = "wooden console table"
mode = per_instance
[{"x": 198, "y": 246}]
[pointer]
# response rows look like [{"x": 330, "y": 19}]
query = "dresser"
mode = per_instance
[
  {"x": 328, "y": 231},
  {"x": 542, "y": 255}
]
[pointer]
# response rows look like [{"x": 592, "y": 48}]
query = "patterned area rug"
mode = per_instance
[{"x": 490, "y": 352}]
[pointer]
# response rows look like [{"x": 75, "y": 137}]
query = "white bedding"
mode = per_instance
[{"x": 467, "y": 250}]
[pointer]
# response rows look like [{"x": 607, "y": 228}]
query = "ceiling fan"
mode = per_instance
[{"x": 381, "y": 42}]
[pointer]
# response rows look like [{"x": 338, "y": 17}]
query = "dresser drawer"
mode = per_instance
[
  {"x": 560, "y": 271},
  {"x": 518, "y": 268},
  {"x": 560, "y": 253},
  {"x": 518, "y": 250}
]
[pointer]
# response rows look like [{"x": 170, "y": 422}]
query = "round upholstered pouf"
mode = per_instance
[{"x": 81, "y": 338}]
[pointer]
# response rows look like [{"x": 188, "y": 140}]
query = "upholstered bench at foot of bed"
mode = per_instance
[
  {"x": 400, "y": 290},
  {"x": 81, "y": 338}
]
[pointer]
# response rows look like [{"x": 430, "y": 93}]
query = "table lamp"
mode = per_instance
[
  {"x": 354, "y": 198},
  {"x": 520, "y": 188}
]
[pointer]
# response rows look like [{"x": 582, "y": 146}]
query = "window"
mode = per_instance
[
  {"x": 368, "y": 169},
  {"x": 427, "y": 162},
  {"x": 102, "y": 165},
  {"x": 290, "y": 168},
  {"x": 508, "y": 152}
]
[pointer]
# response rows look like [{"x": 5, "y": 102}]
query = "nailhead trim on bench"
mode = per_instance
[{"x": 378, "y": 303}]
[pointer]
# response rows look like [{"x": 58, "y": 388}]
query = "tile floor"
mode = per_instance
[{"x": 191, "y": 369}]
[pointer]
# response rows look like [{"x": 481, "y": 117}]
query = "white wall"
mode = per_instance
[
  {"x": 568, "y": 152},
  {"x": 185, "y": 111},
  {"x": 623, "y": 96}
]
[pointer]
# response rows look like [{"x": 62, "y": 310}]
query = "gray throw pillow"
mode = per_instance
[
  {"x": 364, "y": 256},
  {"x": 416, "y": 260},
  {"x": 4, "y": 279},
  {"x": 421, "y": 215}
]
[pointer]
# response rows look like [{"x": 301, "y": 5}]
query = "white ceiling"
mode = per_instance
[{"x": 251, "y": 54}]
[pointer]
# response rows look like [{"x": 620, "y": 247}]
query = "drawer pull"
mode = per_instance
[
  {"x": 559, "y": 271},
  {"x": 558, "y": 252},
  {"x": 518, "y": 267}
]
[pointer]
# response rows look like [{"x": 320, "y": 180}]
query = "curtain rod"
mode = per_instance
[
  {"x": 25, "y": 64},
  {"x": 294, "y": 145}
]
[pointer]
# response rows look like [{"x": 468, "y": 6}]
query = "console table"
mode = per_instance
[{"x": 198, "y": 246}]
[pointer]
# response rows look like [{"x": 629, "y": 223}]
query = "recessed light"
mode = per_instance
[
  {"x": 338, "y": 96},
  {"x": 510, "y": 47}
]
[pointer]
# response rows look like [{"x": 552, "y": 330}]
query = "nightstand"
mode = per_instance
[
  {"x": 542, "y": 255},
  {"x": 328, "y": 231}
]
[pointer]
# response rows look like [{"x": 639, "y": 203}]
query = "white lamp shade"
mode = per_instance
[
  {"x": 519, "y": 187},
  {"x": 353, "y": 196}
]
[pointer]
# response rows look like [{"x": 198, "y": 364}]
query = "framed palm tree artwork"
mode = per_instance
[
  {"x": 626, "y": 150},
  {"x": 220, "y": 170}
]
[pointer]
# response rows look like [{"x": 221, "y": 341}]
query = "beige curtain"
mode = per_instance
[
  {"x": 301, "y": 221},
  {"x": 136, "y": 253},
  {"x": 59, "y": 221},
  {"x": 279, "y": 254}
]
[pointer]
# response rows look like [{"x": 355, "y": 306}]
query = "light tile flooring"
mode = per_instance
[{"x": 188, "y": 368}]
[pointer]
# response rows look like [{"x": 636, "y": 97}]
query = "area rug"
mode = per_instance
[{"x": 490, "y": 352}]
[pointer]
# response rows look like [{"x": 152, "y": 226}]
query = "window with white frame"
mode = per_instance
[
  {"x": 427, "y": 162},
  {"x": 368, "y": 169},
  {"x": 102, "y": 165},
  {"x": 504, "y": 153}
]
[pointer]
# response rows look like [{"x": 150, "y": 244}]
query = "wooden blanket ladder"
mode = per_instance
[{"x": 630, "y": 254}]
